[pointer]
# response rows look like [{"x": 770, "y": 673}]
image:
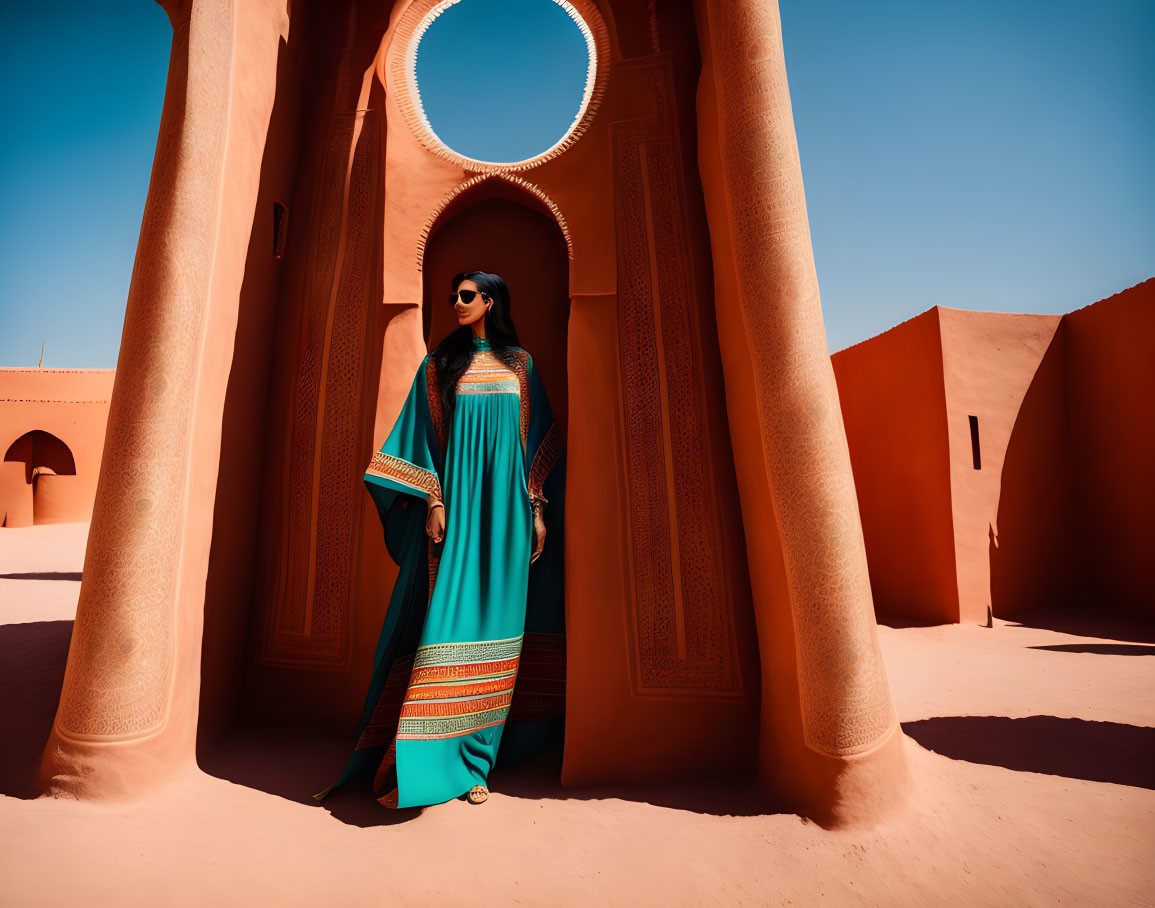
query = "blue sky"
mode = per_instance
[
  {"x": 540, "y": 77},
  {"x": 981, "y": 155}
]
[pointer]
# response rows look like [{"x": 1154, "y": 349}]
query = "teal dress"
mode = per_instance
[{"x": 470, "y": 659}]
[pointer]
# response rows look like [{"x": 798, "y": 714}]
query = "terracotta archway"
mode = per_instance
[
  {"x": 502, "y": 227},
  {"x": 722, "y": 614},
  {"x": 41, "y": 452},
  {"x": 56, "y": 494}
]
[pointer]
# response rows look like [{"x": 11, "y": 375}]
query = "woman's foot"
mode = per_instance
[{"x": 477, "y": 794}]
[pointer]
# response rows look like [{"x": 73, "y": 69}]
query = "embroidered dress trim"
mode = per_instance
[
  {"x": 386, "y": 466},
  {"x": 488, "y": 375},
  {"x": 498, "y": 386},
  {"x": 435, "y": 412},
  {"x": 442, "y": 654},
  {"x": 522, "y": 371},
  {"x": 459, "y": 688},
  {"x": 544, "y": 460}
]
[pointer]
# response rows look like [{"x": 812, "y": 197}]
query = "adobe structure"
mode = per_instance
[
  {"x": 302, "y": 225},
  {"x": 52, "y": 424},
  {"x": 1003, "y": 460}
]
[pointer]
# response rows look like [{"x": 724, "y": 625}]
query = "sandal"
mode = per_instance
[{"x": 477, "y": 794}]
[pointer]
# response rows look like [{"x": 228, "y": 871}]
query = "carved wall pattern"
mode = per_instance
[
  {"x": 309, "y": 625},
  {"x": 683, "y": 637},
  {"x": 846, "y": 703},
  {"x": 120, "y": 661}
]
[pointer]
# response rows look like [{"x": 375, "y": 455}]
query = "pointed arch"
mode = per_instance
[
  {"x": 41, "y": 452},
  {"x": 511, "y": 178}
]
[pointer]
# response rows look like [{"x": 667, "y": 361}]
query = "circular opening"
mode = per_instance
[{"x": 502, "y": 81}]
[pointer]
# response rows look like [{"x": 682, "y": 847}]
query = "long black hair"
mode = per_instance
[{"x": 452, "y": 356}]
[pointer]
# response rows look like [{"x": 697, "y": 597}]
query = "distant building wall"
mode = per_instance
[
  {"x": 989, "y": 361},
  {"x": 1085, "y": 499},
  {"x": 1035, "y": 557},
  {"x": 1022, "y": 444},
  {"x": 1111, "y": 391},
  {"x": 51, "y": 421},
  {"x": 891, "y": 391}
]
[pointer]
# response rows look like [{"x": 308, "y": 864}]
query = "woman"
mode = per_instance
[{"x": 472, "y": 640}]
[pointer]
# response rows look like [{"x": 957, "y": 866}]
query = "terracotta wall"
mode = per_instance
[
  {"x": 1075, "y": 526},
  {"x": 251, "y": 392},
  {"x": 1036, "y": 558},
  {"x": 606, "y": 253},
  {"x": 71, "y": 405},
  {"x": 893, "y": 403},
  {"x": 989, "y": 361},
  {"x": 268, "y": 321},
  {"x": 1057, "y": 514},
  {"x": 1111, "y": 419}
]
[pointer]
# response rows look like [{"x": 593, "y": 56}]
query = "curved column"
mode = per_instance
[
  {"x": 829, "y": 723},
  {"x": 128, "y": 710}
]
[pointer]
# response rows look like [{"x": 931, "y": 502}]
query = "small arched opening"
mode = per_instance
[
  {"x": 49, "y": 493},
  {"x": 42, "y": 453}
]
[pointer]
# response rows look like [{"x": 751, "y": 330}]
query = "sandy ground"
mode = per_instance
[{"x": 1033, "y": 752}]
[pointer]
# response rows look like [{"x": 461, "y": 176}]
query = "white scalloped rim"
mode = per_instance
[{"x": 475, "y": 163}]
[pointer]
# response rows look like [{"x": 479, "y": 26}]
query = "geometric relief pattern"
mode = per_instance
[
  {"x": 845, "y": 698},
  {"x": 308, "y": 625},
  {"x": 120, "y": 667},
  {"x": 683, "y": 634}
]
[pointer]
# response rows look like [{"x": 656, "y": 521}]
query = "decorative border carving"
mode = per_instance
[
  {"x": 308, "y": 621},
  {"x": 682, "y": 635}
]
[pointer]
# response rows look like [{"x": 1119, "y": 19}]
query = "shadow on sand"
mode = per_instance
[
  {"x": 32, "y": 660},
  {"x": 1100, "y": 649},
  {"x": 294, "y": 767},
  {"x": 1088, "y": 622},
  {"x": 44, "y": 575},
  {"x": 1075, "y": 748}
]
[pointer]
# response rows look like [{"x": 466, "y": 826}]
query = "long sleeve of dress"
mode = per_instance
[
  {"x": 545, "y": 442},
  {"x": 408, "y": 462}
]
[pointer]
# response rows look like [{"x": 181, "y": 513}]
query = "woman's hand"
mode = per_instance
[
  {"x": 435, "y": 521},
  {"x": 538, "y": 534}
]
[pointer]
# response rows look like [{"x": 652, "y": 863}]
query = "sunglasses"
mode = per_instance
[{"x": 467, "y": 296}]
